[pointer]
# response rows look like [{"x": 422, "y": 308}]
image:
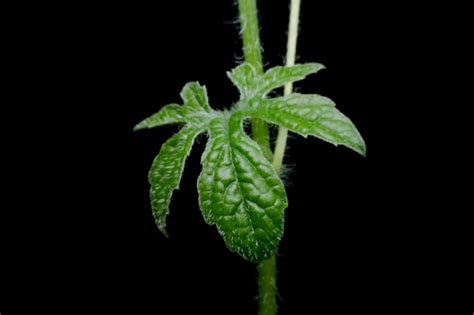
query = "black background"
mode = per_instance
[{"x": 80, "y": 236}]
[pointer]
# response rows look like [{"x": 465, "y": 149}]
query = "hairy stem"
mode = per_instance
[
  {"x": 267, "y": 287},
  {"x": 267, "y": 304},
  {"x": 290, "y": 61},
  {"x": 253, "y": 54}
]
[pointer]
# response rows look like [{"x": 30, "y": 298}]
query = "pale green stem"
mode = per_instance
[{"x": 290, "y": 61}]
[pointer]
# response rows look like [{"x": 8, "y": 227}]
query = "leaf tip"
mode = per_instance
[
  {"x": 162, "y": 228},
  {"x": 138, "y": 127},
  {"x": 317, "y": 66},
  {"x": 363, "y": 151}
]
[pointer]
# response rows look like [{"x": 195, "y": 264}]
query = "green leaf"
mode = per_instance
[
  {"x": 313, "y": 115},
  {"x": 195, "y": 98},
  {"x": 245, "y": 79},
  {"x": 251, "y": 85},
  {"x": 240, "y": 192},
  {"x": 165, "y": 173},
  {"x": 279, "y": 76},
  {"x": 169, "y": 114},
  {"x": 196, "y": 110}
]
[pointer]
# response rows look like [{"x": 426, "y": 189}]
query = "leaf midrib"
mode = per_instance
[{"x": 237, "y": 179}]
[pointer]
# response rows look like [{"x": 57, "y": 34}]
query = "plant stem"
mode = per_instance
[
  {"x": 267, "y": 287},
  {"x": 253, "y": 54},
  {"x": 290, "y": 61},
  {"x": 267, "y": 304},
  {"x": 251, "y": 34}
]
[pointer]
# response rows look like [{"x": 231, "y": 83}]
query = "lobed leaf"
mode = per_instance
[
  {"x": 196, "y": 110},
  {"x": 169, "y": 114},
  {"x": 240, "y": 192},
  {"x": 166, "y": 170},
  {"x": 245, "y": 79},
  {"x": 195, "y": 98},
  {"x": 313, "y": 115},
  {"x": 252, "y": 85},
  {"x": 279, "y": 76}
]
